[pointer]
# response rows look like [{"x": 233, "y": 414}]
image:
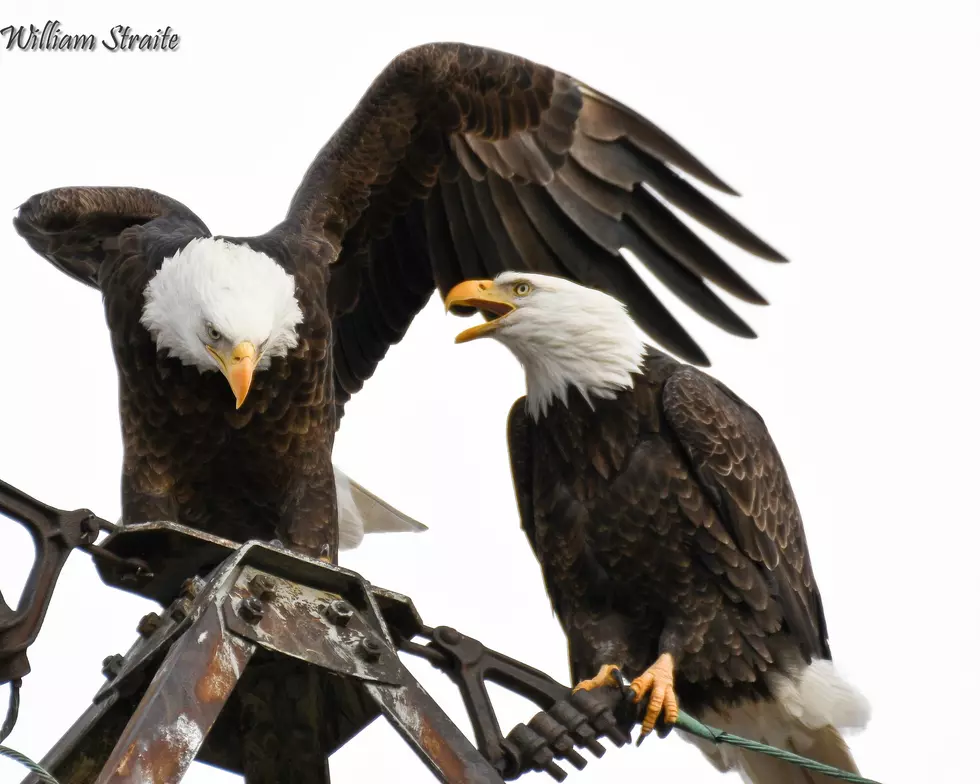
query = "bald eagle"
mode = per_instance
[
  {"x": 670, "y": 541},
  {"x": 458, "y": 162}
]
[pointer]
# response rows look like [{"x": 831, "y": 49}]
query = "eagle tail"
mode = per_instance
[
  {"x": 361, "y": 512},
  {"x": 804, "y": 718}
]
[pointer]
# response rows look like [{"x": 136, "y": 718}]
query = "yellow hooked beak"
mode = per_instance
[
  {"x": 238, "y": 367},
  {"x": 487, "y": 298}
]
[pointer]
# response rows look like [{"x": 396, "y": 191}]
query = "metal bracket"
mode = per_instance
[
  {"x": 55, "y": 533},
  {"x": 568, "y": 721},
  {"x": 324, "y": 667},
  {"x": 267, "y": 661},
  {"x": 316, "y": 626}
]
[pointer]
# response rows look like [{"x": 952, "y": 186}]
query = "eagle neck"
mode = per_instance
[{"x": 591, "y": 375}]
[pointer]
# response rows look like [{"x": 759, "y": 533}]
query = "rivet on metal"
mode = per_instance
[
  {"x": 148, "y": 624},
  {"x": 371, "y": 649},
  {"x": 262, "y": 586},
  {"x": 111, "y": 665},
  {"x": 191, "y": 587},
  {"x": 339, "y": 612},
  {"x": 450, "y": 636},
  {"x": 180, "y": 609},
  {"x": 251, "y": 610}
]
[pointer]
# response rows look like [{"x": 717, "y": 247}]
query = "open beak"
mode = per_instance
[
  {"x": 485, "y": 297},
  {"x": 238, "y": 368}
]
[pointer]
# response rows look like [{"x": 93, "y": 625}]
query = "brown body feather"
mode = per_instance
[
  {"x": 459, "y": 161},
  {"x": 664, "y": 522}
]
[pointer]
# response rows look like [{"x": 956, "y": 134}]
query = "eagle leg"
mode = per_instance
[
  {"x": 658, "y": 682},
  {"x": 605, "y": 677}
]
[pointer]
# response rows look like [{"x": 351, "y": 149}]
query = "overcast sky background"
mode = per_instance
[{"x": 851, "y": 129}]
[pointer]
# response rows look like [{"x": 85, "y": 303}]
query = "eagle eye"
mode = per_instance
[
  {"x": 213, "y": 334},
  {"x": 522, "y": 289}
]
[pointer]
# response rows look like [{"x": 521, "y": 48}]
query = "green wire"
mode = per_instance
[
  {"x": 694, "y": 727},
  {"x": 684, "y": 722},
  {"x": 28, "y": 763}
]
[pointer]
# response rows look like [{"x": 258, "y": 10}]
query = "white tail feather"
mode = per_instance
[
  {"x": 805, "y": 717},
  {"x": 820, "y": 697},
  {"x": 362, "y": 512}
]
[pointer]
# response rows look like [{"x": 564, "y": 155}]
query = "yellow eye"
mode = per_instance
[
  {"x": 522, "y": 289},
  {"x": 213, "y": 334}
]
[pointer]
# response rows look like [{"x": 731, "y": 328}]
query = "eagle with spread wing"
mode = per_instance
[{"x": 458, "y": 162}]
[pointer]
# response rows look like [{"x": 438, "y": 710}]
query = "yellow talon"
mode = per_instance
[
  {"x": 658, "y": 681},
  {"x": 604, "y": 677}
]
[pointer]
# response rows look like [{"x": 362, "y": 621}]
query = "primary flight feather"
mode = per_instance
[
  {"x": 458, "y": 162},
  {"x": 669, "y": 538}
]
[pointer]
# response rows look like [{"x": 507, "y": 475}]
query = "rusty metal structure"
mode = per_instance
[{"x": 264, "y": 662}]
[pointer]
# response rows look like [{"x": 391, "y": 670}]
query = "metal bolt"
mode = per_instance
[
  {"x": 450, "y": 636},
  {"x": 262, "y": 585},
  {"x": 148, "y": 624},
  {"x": 112, "y": 665},
  {"x": 339, "y": 612},
  {"x": 191, "y": 587},
  {"x": 371, "y": 649},
  {"x": 251, "y": 610},
  {"x": 534, "y": 753},
  {"x": 180, "y": 609}
]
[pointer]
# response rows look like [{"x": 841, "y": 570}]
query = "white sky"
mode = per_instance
[{"x": 851, "y": 130}]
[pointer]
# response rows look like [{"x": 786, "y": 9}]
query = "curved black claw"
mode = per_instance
[
  {"x": 622, "y": 681},
  {"x": 662, "y": 728}
]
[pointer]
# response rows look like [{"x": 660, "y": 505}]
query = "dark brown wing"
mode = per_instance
[
  {"x": 74, "y": 228},
  {"x": 463, "y": 162},
  {"x": 521, "y": 466},
  {"x": 739, "y": 468}
]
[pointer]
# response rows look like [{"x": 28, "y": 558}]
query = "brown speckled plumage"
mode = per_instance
[
  {"x": 664, "y": 522},
  {"x": 458, "y": 162}
]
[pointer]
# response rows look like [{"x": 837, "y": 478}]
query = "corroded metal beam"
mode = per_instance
[{"x": 183, "y": 701}]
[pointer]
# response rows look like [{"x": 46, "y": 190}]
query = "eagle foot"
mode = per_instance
[
  {"x": 658, "y": 682},
  {"x": 605, "y": 677}
]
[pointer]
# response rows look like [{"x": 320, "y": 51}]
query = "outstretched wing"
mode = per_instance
[
  {"x": 74, "y": 228},
  {"x": 462, "y": 162},
  {"x": 739, "y": 467}
]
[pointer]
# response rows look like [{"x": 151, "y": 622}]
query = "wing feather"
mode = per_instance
[
  {"x": 489, "y": 248},
  {"x": 75, "y": 228},
  {"x": 506, "y": 155},
  {"x": 460, "y": 231},
  {"x": 737, "y": 463}
]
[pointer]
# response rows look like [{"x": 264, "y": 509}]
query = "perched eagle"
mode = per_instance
[
  {"x": 458, "y": 162},
  {"x": 670, "y": 541}
]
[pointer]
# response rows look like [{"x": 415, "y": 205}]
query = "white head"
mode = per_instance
[
  {"x": 565, "y": 335},
  {"x": 221, "y": 306}
]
